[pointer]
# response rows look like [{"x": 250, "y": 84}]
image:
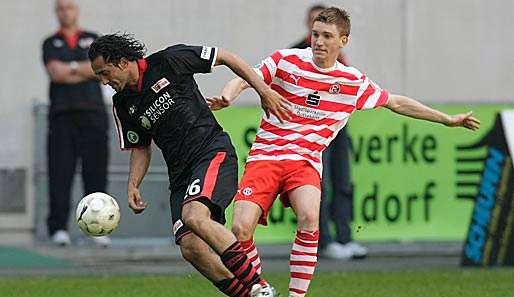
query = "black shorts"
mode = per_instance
[{"x": 212, "y": 181}]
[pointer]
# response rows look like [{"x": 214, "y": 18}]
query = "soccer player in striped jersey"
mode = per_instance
[{"x": 285, "y": 158}]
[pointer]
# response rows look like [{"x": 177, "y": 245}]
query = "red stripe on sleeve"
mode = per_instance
[
  {"x": 266, "y": 74},
  {"x": 383, "y": 99},
  {"x": 364, "y": 97},
  {"x": 276, "y": 56}
]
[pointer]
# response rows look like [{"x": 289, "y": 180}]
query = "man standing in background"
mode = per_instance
[
  {"x": 336, "y": 181},
  {"x": 77, "y": 120}
]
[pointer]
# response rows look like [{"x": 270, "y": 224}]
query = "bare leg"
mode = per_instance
[
  {"x": 245, "y": 218},
  {"x": 208, "y": 263},
  {"x": 305, "y": 201},
  {"x": 197, "y": 217}
]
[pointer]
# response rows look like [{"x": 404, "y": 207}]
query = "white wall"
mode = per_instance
[
  {"x": 437, "y": 51},
  {"x": 460, "y": 50}
]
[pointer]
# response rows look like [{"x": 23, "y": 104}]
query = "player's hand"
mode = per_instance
[
  {"x": 217, "y": 102},
  {"x": 273, "y": 103},
  {"x": 135, "y": 201},
  {"x": 56, "y": 68},
  {"x": 465, "y": 120}
]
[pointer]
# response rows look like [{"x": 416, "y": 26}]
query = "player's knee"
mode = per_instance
[
  {"x": 242, "y": 230},
  {"x": 194, "y": 223},
  {"x": 308, "y": 219},
  {"x": 190, "y": 249},
  {"x": 194, "y": 217},
  {"x": 190, "y": 253}
]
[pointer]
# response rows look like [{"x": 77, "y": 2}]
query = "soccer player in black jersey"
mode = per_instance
[{"x": 158, "y": 99}]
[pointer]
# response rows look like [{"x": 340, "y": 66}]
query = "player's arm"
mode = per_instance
[
  {"x": 69, "y": 73},
  {"x": 409, "y": 107},
  {"x": 139, "y": 163},
  {"x": 271, "y": 101},
  {"x": 228, "y": 95},
  {"x": 83, "y": 69}
]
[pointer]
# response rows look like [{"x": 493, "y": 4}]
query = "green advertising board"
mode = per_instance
[{"x": 408, "y": 181}]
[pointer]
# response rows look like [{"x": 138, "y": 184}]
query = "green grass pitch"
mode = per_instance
[{"x": 453, "y": 283}]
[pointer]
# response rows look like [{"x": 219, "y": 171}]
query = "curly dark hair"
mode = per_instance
[{"x": 113, "y": 47}]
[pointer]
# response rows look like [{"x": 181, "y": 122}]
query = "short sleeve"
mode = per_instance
[
  {"x": 186, "y": 59},
  {"x": 49, "y": 50},
  {"x": 370, "y": 95},
  {"x": 130, "y": 135},
  {"x": 268, "y": 67}
]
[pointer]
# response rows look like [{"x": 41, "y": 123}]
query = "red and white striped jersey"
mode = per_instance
[{"x": 321, "y": 102}]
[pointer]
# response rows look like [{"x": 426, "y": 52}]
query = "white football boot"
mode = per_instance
[
  {"x": 102, "y": 241},
  {"x": 357, "y": 250},
  {"x": 336, "y": 251},
  {"x": 61, "y": 238},
  {"x": 262, "y": 290}
]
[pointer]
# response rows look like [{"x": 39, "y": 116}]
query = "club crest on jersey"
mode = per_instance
[
  {"x": 132, "y": 137},
  {"x": 247, "y": 191},
  {"x": 335, "y": 88},
  {"x": 85, "y": 42},
  {"x": 313, "y": 99},
  {"x": 132, "y": 110},
  {"x": 58, "y": 43},
  {"x": 160, "y": 84},
  {"x": 145, "y": 122}
]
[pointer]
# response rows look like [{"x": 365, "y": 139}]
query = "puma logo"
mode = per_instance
[{"x": 295, "y": 78}]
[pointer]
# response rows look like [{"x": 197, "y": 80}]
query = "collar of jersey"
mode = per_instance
[
  {"x": 71, "y": 40},
  {"x": 142, "y": 65},
  {"x": 331, "y": 68}
]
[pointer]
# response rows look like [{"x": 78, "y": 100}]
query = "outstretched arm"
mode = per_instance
[
  {"x": 271, "y": 101},
  {"x": 139, "y": 163},
  {"x": 229, "y": 94},
  {"x": 69, "y": 73},
  {"x": 409, "y": 107}
]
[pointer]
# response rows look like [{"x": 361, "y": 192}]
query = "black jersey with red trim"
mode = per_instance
[
  {"x": 168, "y": 107},
  {"x": 85, "y": 95}
]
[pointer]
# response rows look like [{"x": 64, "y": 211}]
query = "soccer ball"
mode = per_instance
[{"x": 98, "y": 214}]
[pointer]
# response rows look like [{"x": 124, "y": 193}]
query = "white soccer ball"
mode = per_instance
[{"x": 98, "y": 214}]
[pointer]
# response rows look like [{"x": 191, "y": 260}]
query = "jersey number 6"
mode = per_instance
[{"x": 194, "y": 188}]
